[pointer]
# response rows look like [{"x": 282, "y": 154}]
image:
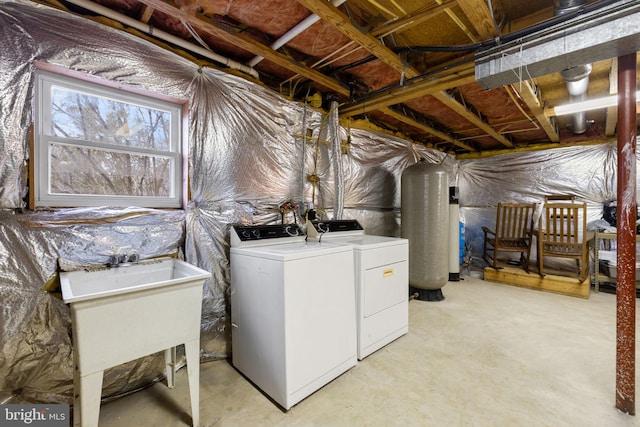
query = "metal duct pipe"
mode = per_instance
[
  {"x": 577, "y": 78},
  {"x": 566, "y": 6}
]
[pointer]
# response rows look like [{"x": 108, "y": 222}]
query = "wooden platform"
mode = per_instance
[{"x": 561, "y": 284}]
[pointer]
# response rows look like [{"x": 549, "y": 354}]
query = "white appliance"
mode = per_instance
[
  {"x": 382, "y": 281},
  {"x": 293, "y": 312}
]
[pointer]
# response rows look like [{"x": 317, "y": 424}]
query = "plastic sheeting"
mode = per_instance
[{"x": 248, "y": 152}]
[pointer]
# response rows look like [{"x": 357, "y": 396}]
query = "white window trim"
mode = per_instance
[{"x": 41, "y": 195}]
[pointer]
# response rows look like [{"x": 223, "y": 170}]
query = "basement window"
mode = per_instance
[{"x": 98, "y": 145}]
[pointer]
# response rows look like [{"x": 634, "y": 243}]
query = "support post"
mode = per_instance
[{"x": 626, "y": 220}]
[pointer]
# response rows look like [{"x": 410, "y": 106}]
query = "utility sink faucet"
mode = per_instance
[{"x": 123, "y": 259}]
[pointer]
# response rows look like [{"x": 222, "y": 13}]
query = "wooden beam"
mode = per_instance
[
  {"x": 532, "y": 97},
  {"x": 463, "y": 111},
  {"x": 146, "y": 14},
  {"x": 342, "y": 23},
  {"x": 550, "y": 283},
  {"x": 417, "y": 124},
  {"x": 455, "y": 76},
  {"x": 531, "y": 147},
  {"x": 248, "y": 44},
  {"x": 413, "y": 19},
  {"x": 481, "y": 17},
  {"x": 458, "y": 22},
  {"x": 331, "y": 14}
]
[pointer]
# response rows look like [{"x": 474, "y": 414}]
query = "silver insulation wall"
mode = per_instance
[{"x": 248, "y": 154}]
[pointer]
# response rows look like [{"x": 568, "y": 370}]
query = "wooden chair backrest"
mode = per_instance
[
  {"x": 514, "y": 221},
  {"x": 559, "y": 198},
  {"x": 564, "y": 226}
]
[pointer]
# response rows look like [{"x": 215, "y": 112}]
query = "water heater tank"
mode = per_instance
[{"x": 425, "y": 223}]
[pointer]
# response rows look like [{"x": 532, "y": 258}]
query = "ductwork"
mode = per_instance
[
  {"x": 566, "y": 6},
  {"x": 577, "y": 78},
  {"x": 600, "y": 30}
]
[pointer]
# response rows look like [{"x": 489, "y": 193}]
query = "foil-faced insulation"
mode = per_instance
[{"x": 250, "y": 151}]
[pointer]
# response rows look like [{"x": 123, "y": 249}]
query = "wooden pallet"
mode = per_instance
[{"x": 557, "y": 283}]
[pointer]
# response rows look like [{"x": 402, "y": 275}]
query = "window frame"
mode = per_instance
[{"x": 46, "y": 76}]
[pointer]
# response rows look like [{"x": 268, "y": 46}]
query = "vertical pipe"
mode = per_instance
[{"x": 626, "y": 217}]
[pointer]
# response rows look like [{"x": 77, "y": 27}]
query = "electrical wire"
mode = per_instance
[{"x": 475, "y": 47}]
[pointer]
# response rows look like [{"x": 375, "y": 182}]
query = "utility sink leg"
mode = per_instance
[
  {"x": 192, "y": 351},
  {"x": 86, "y": 404},
  {"x": 170, "y": 361}
]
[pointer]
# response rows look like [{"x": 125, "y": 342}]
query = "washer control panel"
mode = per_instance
[{"x": 265, "y": 234}]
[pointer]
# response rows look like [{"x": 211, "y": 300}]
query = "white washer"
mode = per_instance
[
  {"x": 292, "y": 311},
  {"x": 382, "y": 281}
]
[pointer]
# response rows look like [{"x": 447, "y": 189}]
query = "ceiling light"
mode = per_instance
[{"x": 590, "y": 104}]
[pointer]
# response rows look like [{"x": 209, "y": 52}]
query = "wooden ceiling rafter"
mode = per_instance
[
  {"x": 405, "y": 87},
  {"x": 341, "y": 22},
  {"x": 426, "y": 128},
  {"x": 482, "y": 19},
  {"x": 418, "y": 17},
  {"x": 147, "y": 12},
  {"x": 447, "y": 79},
  {"x": 331, "y": 14},
  {"x": 533, "y": 99},
  {"x": 467, "y": 114},
  {"x": 248, "y": 44}
]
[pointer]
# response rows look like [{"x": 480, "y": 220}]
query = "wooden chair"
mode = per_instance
[
  {"x": 514, "y": 228},
  {"x": 562, "y": 233},
  {"x": 559, "y": 198}
]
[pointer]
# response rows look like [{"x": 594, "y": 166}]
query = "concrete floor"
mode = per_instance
[{"x": 489, "y": 355}]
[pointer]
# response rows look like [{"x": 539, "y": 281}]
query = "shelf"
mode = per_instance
[{"x": 599, "y": 277}]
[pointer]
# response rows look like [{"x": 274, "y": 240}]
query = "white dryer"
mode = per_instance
[
  {"x": 382, "y": 281},
  {"x": 292, "y": 310}
]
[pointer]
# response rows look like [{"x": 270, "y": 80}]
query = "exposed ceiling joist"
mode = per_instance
[
  {"x": 146, "y": 14},
  {"x": 331, "y": 14},
  {"x": 249, "y": 45},
  {"x": 462, "y": 110},
  {"x": 413, "y": 19},
  {"x": 417, "y": 124},
  {"x": 531, "y": 96},
  {"x": 453, "y": 77},
  {"x": 483, "y": 19},
  {"x": 341, "y": 22},
  {"x": 427, "y": 90}
]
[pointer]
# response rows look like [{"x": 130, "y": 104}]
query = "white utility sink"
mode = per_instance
[{"x": 121, "y": 314}]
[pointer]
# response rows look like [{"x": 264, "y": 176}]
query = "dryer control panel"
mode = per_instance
[
  {"x": 343, "y": 226},
  {"x": 241, "y": 235}
]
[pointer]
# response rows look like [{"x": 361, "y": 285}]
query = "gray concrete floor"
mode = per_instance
[{"x": 488, "y": 355}]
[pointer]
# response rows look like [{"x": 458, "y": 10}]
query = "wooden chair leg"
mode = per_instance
[
  {"x": 540, "y": 258},
  {"x": 524, "y": 260}
]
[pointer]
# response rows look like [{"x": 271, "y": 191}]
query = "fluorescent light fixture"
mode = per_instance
[{"x": 589, "y": 104}]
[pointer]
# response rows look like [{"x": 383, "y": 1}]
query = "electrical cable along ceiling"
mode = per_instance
[{"x": 407, "y": 67}]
